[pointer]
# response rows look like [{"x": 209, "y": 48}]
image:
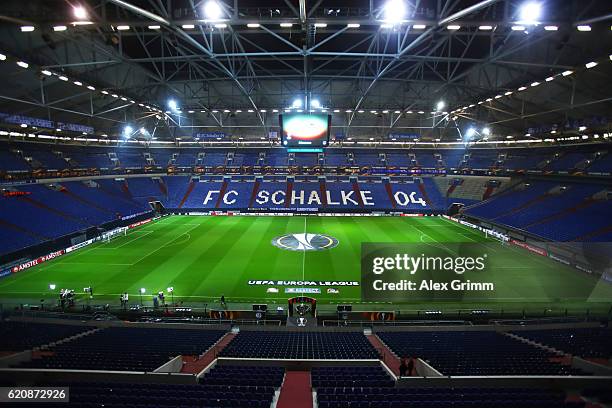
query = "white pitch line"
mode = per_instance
[
  {"x": 304, "y": 254},
  {"x": 131, "y": 240},
  {"x": 167, "y": 243}
]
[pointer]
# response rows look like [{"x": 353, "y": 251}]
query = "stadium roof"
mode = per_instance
[{"x": 378, "y": 67}]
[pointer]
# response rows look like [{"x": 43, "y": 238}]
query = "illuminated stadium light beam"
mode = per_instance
[
  {"x": 79, "y": 12},
  {"x": 212, "y": 10},
  {"x": 530, "y": 13},
  {"x": 440, "y": 106},
  {"x": 394, "y": 11}
]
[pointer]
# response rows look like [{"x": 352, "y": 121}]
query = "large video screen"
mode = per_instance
[{"x": 304, "y": 130}]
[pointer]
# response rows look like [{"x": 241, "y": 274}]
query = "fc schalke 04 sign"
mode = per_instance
[{"x": 305, "y": 242}]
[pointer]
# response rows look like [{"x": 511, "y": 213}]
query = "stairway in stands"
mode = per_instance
[
  {"x": 296, "y": 391},
  {"x": 387, "y": 356},
  {"x": 195, "y": 364}
]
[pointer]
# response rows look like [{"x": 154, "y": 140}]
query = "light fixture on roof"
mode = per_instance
[
  {"x": 360, "y": 111},
  {"x": 549, "y": 79},
  {"x": 497, "y": 96},
  {"x": 253, "y": 25},
  {"x": 78, "y": 83},
  {"x": 63, "y": 78},
  {"x": 91, "y": 88},
  {"x": 394, "y": 11},
  {"x": 582, "y": 128},
  {"x": 23, "y": 64},
  {"x": 79, "y": 12},
  {"x": 123, "y": 27},
  {"x": 508, "y": 93},
  {"x": 591, "y": 64},
  {"x": 320, "y": 25},
  {"x": 530, "y": 13},
  {"x": 46, "y": 72},
  {"x": 485, "y": 28},
  {"x": 220, "y": 25},
  {"x": 154, "y": 27},
  {"x": 353, "y": 25},
  {"x": 127, "y": 131},
  {"x": 212, "y": 10},
  {"x": 536, "y": 83},
  {"x": 566, "y": 73},
  {"x": 551, "y": 28},
  {"x": 518, "y": 28},
  {"x": 286, "y": 25},
  {"x": 489, "y": 99},
  {"x": 275, "y": 110},
  {"x": 59, "y": 28},
  {"x": 419, "y": 26},
  {"x": 486, "y": 131},
  {"x": 188, "y": 26},
  {"x": 470, "y": 132},
  {"x": 398, "y": 112},
  {"x": 348, "y": 111},
  {"x": 172, "y": 104},
  {"x": 297, "y": 103},
  {"x": 440, "y": 106},
  {"x": 583, "y": 28},
  {"x": 315, "y": 103},
  {"x": 23, "y": 125},
  {"x": 453, "y": 27},
  {"x": 27, "y": 29}
]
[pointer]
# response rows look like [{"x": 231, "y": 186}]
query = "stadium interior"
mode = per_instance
[{"x": 306, "y": 203}]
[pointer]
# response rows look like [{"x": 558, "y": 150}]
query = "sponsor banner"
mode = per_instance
[
  {"x": 15, "y": 193},
  {"x": 528, "y": 247},
  {"x": 210, "y": 135},
  {"x": 129, "y": 217},
  {"x": 302, "y": 290},
  {"x": 80, "y": 245},
  {"x": 301, "y": 283},
  {"x": 37, "y": 261},
  {"x": 403, "y": 136},
  {"x": 559, "y": 259},
  {"x": 139, "y": 223},
  {"x": 5, "y": 273}
]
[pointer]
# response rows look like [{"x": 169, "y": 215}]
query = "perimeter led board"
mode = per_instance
[{"x": 303, "y": 130}]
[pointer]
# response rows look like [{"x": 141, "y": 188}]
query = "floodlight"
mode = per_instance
[
  {"x": 440, "y": 105},
  {"x": 583, "y": 28},
  {"x": 46, "y": 72},
  {"x": 27, "y": 29},
  {"x": 486, "y": 131},
  {"x": 143, "y": 131},
  {"x": 79, "y": 12},
  {"x": 154, "y": 27},
  {"x": 551, "y": 28},
  {"x": 2, "y": 57},
  {"x": 172, "y": 104},
  {"x": 253, "y": 25},
  {"x": 394, "y": 11},
  {"x": 419, "y": 26},
  {"x": 212, "y": 10},
  {"x": 591, "y": 64},
  {"x": 170, "y": 289},
  {"x": 485, "y": 28},
  {"x": 470, "y": 132},
  {"x": 123, "y": 27},
  {"x": 530, "y": 13},
  {"x": 297, "y": 103},
  {"x": 566, "y": 73},
  {"x": 315, "y": 103},
  {"x": 286, "y": 25},
  {"x": 453, "y": 27},
  {"x": 23, "y": 64},
  {"x": 60, "y": 28},
  {"x": 127, "y": 130},
  {"x": 188, "y": 26},
  {"x": 320, "y": 25},
  {"x": 353, "y": 25}
]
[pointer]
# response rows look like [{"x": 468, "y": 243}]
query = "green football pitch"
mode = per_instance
[{"x": 203, "y": 258}]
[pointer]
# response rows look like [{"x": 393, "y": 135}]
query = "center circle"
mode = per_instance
[{"x": 305, "y": 242}]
